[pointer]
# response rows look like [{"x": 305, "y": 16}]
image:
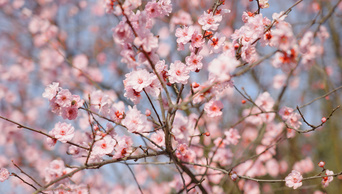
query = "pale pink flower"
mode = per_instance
[
  {"x": 293, "y": 121},
  {"x": 103, "y": 146},
  {"x": 178, "y": 73},
  {"x": 184, "y": 34},
  {"x": 304, "y": 166},
  {"x": 63, "y": 132},
  {"x": 265, "y": 101},
  {"x": 279, "y": 81},
  {"x": 328, "y": 179},
  {"x": 158, "y": 138},
  {"x": 294, "y": 179},
  {"x": 122, "y": 33},
  {"x": 222, "y": 67},
  {"x": 135, "y": 122},
  {"x": 232, "y": 136},
  {"x": 133, "y": 95},
  {"x": 51, "y": 90},
  {"x": 216, "y": 42},
  {"x": 154, "y": 88},
  {"x": 285, "y": 112},
  {"x": 283, "y": 37},
  {"x": 80, "y": 61},
  {"x": 182, "y": 127},
  {"x": 251, "y": 187},
  {"x": 263, "y": 4},
  {"x": 272, "y": 167},
  {"x": 153, "y": 9},
  {"x": 223, "y": 156},
  {"x": 213, "y": 108},
  {"x": 165, "y": 6},
  {"x": 208, "y": 21},
  {"x": 181, "y": 18},
  {"x": 69, "y": 113},
  {"x": 63, "y": 98},
  {"x": 57, "y": 166},
  {"x": 194, "y": 62},
  {"x": 197, "y": 40},
  {"x": 138, "y": 79},
  {"x": 147, "y": 40},
  {"x": 4, "y": 174},
  {"x": 117, "y": 111},
  {"x": 100, "y": 101},
  {"x": 123, "y": 147}
]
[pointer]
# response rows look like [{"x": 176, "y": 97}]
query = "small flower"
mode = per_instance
[
  {"x": 234, "y": 176},
  {"x": 63, "y": 132},
  {"x": 178, "y": 73},
  {"x": 213, "y": 108},
  {"x": 4, "y": 174},
  {"x": 326, "y": 180},
  {"x": 321, "y": 164},
  {"x": 324, "y": 120},
  {"x": 294, "y": 179},
  {"x": 51, "y": 90}
]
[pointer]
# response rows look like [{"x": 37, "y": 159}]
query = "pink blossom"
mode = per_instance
[
  {"x": 282, "y": 36},
  {"x": 263, "y": 4},
  {"x": 69, "y": 113},
  {"x": 4, "y": 174},
  {"x": 232, "y": 136},
  {"x": 208, "y": 21},
  {"x": 184, "y": 34},
  {"x": 123, "y": 147},
  {"x": 133, "y": 95},
  {"x": 272, "y": 167},
  {"x": 213, "y": 108},
  {"x": 51, "y": 91},
  {"x": 103, "y": 146},
  {"x": 304, "y": 166},
  {"x": 63, "y": 98},
  {"x": 216, "y": 42},
  {"x": 265, "y": 101},
  {"x": 138, "y": 80},
  {"x": 197, "y": 40},
  {"x": 63, "y": 132},
  {"x": 135, "y": 122},
  {"x": 122, "y": 33},
  {"x": 328, "y": 179},
  {"x": 153, "y": 9},
  {"x": 293, "y": 121},
  {"x": 222, "y": 67},
  {"x": 194, "y": 62},
  {"x": 158, "y": 138},
  {"x": 117, "y": 111},
  {"x": 147, "y": 40},
  {"x": 294, "y": 179},
  {"x": 178, "y": 73}
]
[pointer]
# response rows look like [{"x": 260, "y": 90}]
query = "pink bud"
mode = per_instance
[
  {"x": 234, "y": 176},
  {"x": 321, "y": 164},
  {"x": 324, "y": 120},
  {"x": 195, "y": 85},
  {"x": 148, "y": 112}
]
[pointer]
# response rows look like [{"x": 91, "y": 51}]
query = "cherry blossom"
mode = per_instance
[
  {"x": 294, "y": 179},
  {"x": 135, "y": 121},
  {"x": 209, "y": 21},
  {"x": 4, "y": 174},
  {"x": 178, "y": 73},
  {"x": 103, "y": 146},
  {"x": 213, "y": 108},
  {"x": 63, "y": 132},
  {"x": 326, "y": 180}
]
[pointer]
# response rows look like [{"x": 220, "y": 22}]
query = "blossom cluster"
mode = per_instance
[{"x": 62, "y": 102}]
